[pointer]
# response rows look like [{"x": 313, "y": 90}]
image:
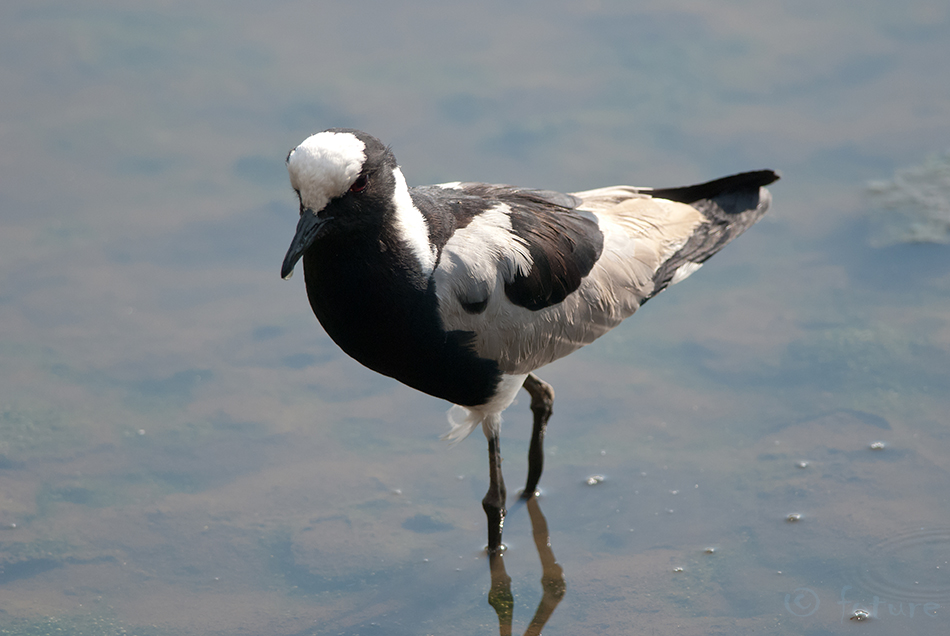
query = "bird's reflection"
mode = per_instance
[{"x": 552, "y": 578}]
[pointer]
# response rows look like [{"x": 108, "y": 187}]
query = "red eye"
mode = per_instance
[{"x": 359, "y": 185}]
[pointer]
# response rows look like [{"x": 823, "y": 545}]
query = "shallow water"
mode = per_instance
[{"x": 183, "y": 451}]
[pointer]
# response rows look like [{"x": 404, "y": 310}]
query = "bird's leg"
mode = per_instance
[
  {"x": 542, "y": 405},
  {"x": 494, "y": 501}
]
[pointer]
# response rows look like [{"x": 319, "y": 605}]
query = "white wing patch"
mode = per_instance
[
  {"x": 412, "y": 226},
  {"x": 324, "y": 166},
  {"x": 683, "y": 271},
  {"x": 478, "y": 259}
]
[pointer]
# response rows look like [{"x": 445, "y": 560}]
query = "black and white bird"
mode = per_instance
[{"x": 462, "y": 290}]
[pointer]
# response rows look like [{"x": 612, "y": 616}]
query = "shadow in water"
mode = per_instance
[{"x": 552, "y": 579}]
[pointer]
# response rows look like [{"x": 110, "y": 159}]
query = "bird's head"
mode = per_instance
[{"x": 337, "y": 174}]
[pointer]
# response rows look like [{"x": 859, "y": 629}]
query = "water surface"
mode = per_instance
[{"x": 184, "y": 451}]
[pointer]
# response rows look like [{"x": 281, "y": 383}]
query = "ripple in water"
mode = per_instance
[{"x": 912, "y": 567}]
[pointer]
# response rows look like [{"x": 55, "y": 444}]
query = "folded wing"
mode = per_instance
[{"x": 539, "y": 274}]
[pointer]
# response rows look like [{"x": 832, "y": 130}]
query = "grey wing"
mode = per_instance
[{"x": 620, "y": 247}]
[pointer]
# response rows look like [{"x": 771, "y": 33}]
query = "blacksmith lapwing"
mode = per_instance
[{"x": 462, "y": 290}]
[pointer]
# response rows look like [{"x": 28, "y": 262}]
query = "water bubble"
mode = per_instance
[
  {"x": 793, "y": 517},
  {"x": 678, "y": 569},
  {"x": 802, "y": 464},
  {"x": 593, "y": 480},
  {"x": 860, "y": 615},
  {"x": 878, "y": 445}
]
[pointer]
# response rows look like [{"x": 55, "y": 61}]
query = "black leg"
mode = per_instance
[
  {"x": 542, "y": 405},
  {"x": 494, "y": 501}
]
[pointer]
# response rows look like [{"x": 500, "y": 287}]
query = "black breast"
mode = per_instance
[{"x": 384, "y": 314}]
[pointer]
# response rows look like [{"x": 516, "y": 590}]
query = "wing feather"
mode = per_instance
[{"x": 547, "y": 280}]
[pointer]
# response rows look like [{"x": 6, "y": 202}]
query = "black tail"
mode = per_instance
[
  {"x": 713, "y": 189},
  {"x": 731, "y": 205}
]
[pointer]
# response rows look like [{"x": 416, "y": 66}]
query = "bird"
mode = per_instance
[{"x": 462, "y": 290}]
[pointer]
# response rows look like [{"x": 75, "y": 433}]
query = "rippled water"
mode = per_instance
[
  {"x": 910, "y": 567},
  {"x": 183, "y": 451}
]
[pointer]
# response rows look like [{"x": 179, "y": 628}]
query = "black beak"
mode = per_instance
[{"x": 307, "y": 230}]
